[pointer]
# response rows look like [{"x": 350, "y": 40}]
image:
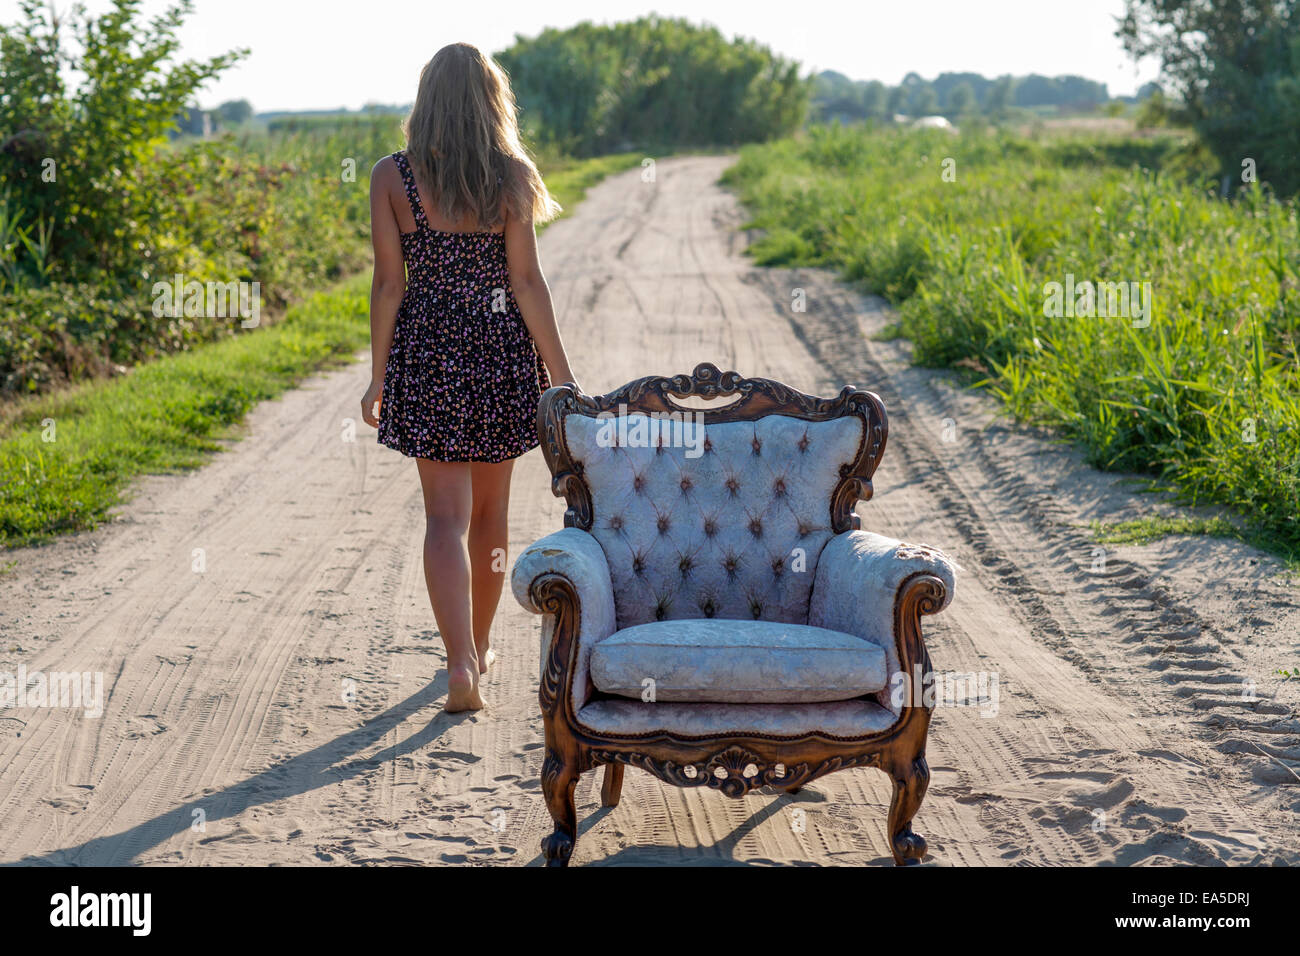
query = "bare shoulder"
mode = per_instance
[
  {"x": 385, "y": 172},
  {"x": 516, "y": 169}
]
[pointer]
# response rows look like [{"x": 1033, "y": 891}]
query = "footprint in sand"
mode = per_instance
[{"x": 144, "y": 725}]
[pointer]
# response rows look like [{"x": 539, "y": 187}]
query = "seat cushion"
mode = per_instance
[
  {"x": 838, "y": 718},
  {"x": 736, "y": 662}
]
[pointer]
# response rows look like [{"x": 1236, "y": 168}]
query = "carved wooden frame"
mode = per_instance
[
  {"x": 721, "y": 761},
  {"x": 758, "y": 397}
]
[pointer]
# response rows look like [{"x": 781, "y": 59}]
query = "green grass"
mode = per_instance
[
  {"x": 1206, "y": 399},
  {"x": 171, "y": 414},
  {"x": 1154, "y": 527},
  {"x": 569, "y": 179},
  {"x": 164, "y": 416}
]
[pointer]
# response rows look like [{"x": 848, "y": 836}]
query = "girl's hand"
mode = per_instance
[
  {"x": 565, "y": 376},
  {"x": 370, "y": 403}
]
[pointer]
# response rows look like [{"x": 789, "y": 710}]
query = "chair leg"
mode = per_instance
[
  {"x": 911, "y": 778},
  {"x": 559, "y": 778},
  {"x": 612, "y": 787}
]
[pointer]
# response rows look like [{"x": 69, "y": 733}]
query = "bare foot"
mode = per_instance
[
  {"x": 486, "y": 660},
  {"x": 462, "y": 691}
]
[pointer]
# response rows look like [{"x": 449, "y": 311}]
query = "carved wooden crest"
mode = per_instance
[{"x": 758, "y": 397}]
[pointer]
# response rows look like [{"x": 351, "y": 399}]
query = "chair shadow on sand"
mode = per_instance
[
  {"x": 721, "y": 853},
  {"x": 320, "y": 767}
]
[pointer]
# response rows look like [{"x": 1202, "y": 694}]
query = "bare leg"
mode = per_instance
[
  {"x": 489, "y": 537},
  {"x": 448, "y": 500}
]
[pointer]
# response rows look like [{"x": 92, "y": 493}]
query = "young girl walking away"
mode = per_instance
[{"x": 462, "y": 334}]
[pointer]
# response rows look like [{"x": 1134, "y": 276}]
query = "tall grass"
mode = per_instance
[{"x": 1206, "y": 398}]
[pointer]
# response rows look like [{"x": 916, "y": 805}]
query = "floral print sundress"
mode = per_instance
[{"x": 463, "y": 376}]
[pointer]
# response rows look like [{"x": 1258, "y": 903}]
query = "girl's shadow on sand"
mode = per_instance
[{"x": 330, "y": 763}]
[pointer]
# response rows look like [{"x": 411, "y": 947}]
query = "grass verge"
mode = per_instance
[
  {"x": 1154, "y": 527},
  {"x": 1179, "y": 362}
]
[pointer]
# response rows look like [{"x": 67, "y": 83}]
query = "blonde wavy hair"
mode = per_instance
[{"x": 462, "y": 141}]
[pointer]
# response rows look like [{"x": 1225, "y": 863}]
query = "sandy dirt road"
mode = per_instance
[{"x": 230, "y": 736}]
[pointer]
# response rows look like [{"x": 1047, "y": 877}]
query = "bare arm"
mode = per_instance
[
  {"x": 534, "y": 298},
  {"x": 388, "y": 285}
]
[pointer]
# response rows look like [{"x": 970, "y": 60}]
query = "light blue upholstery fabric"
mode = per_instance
[
  {"x": 574, "y": 554},
  {"x": 746, "y": 662},
  {"x": 734, "y": 536},
  {"x": 858, "y": 576},
  {"x": 841, "y": 718},
  {"x": 732, "y": 533}
]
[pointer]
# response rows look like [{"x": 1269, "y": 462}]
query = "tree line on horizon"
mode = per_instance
[{"x": 836, "y": 96}]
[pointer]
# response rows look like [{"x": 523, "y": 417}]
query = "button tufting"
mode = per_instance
[
  {"x": 710, "y": 527},
  {"x": 758, "y": 446},
  {"x": 686, "y": 482},
  {"x": 755, "y": 608},
  {"x": 638, "y": 483},
  {"x": 685, "y": 564},
  {"x": 778, "y": 567},
  {"x": 778, "y": 488},
  {"x": 708, "y": 607},
  {"x": 616, "y": 522},
  {"x": 756, "y": 527},
  {"x": 731, "y": 563},
  {"x": 805, "y": 528},
  {"x": 663, "y": 524},
  {"x": 804, "y": 442},
  {"x": 732, "y": 484}
]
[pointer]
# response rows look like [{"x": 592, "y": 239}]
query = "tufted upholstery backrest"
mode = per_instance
[{"x": 728, "y": 523}]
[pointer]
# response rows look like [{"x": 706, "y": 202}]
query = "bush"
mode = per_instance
[
  {"x": 654, "y": 81},
  {"x": 97, "y": 205},
  {"x": 1235, "y": 71}
]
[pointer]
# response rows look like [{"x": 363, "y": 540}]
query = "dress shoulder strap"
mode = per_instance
[{"x": 412, "y": 194}]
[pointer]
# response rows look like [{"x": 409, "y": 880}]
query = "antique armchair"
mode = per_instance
[{"x": 712, "y": 614}]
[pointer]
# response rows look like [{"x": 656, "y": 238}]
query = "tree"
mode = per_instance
[
  {"x": 234, "y": 112},
  {"x": 961, "y": 101},
  {"x": 896, "y": 100},
  {"x": 1234, "y": 69},
  {"x": 79, "y": 161},
  {"x": 1001, "y": 95},
  {"x": 654, "y": 81},
  {"x": 874, "y": 100},
  {"x": 922, "y": 100}
]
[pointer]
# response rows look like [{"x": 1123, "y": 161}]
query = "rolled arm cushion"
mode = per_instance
[
  {"x": 577, "y": 556},
  {"x": 858, "y": 577}
]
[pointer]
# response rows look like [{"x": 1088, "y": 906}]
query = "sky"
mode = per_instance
[{"x": 325, "y": 54}]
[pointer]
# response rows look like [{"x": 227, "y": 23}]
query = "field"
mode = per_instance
[{"x": 1193, "y": 381}]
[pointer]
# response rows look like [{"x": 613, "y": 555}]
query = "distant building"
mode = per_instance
[
  {"x": 194, "y": 122},
  {"x": 933, "y": 122}
]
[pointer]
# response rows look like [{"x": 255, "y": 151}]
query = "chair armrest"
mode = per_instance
[
  {"x": 876, "y": 588},
  {"x": 565, "y": 576}
]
